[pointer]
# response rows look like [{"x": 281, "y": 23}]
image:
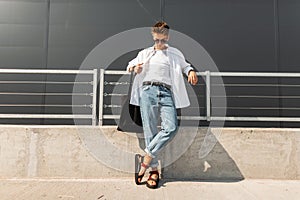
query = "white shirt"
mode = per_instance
[
  {"x": 159, "y": 68},
  {"x": 178, "y": 65}
]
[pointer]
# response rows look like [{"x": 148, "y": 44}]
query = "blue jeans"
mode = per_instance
[{"x": 157, "y": 100}]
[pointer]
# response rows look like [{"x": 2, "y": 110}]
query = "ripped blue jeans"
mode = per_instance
[{"x": 157, "y": 100}]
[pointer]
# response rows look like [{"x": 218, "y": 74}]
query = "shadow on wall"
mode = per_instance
[{"x": 216, "y": 166}]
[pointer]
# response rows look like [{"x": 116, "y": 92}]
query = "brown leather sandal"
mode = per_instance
[{"x": 152, "y": 179}]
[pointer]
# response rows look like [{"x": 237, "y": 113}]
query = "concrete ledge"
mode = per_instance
[
  {"x": 239, "y": 153},
  {"x": 77, "y": 152}
]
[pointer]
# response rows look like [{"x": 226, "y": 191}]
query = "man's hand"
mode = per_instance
[
  {"x": 137, "y": 68},
  {"x": 192, "y": 77}
]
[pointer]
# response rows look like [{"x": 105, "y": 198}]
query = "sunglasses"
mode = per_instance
[{"x": 161, "y": 41}]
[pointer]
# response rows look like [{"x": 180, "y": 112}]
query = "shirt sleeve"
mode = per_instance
[
  {"x": 131, "y": 63},
  {"x": 134, "y": 61},
  {"x": 185, "y": 66},
  {"x": 187, "y": 69}
]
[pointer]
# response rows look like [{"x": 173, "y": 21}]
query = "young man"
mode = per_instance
[{"x": 158, "y": 88}]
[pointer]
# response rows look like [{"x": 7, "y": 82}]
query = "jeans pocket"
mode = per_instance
[{"x": 145, "y": 87}]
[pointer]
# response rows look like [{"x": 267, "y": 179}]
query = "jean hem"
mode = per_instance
[{"x": 149, "y": 153}]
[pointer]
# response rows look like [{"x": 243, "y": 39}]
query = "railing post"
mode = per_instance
[
  {"x": 101, "y": 92},
  {"x": 208, "y": 106},
  {"x": 94, "y": 108}
]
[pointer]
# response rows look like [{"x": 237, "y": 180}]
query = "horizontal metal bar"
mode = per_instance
[
  {"x": 111, "y": 116},
  {"x": 255, "y": 74},
  {"x": 192, "y": 118},
  {"x": 242, "y": 74},
  {"x": 46, "y": 94},
  {"x": 123, "y": 72},
  {"x": 119, "y": 106},
  {"x": 123, "y": 95},
  {"x": 43, "y": 105},
  {"x": 45, "y": 82},
  {"x": 111, "y": 106},
  {"x": 254, "y": 85},
  {"x": 50, "y": 116},
  {"x": 256, "y": 108},
  {"x": 179, "y": 117},
  {"x": 286, "y": 119},
  {"x": 254, "y": 96},
  {"x": 275, "y": 119},
  {"x": 116, "y": 83},
  {"x": 44, "y": 71},
  {"x": 114, "y": 94},
  {"x": 116, "y": 72}
]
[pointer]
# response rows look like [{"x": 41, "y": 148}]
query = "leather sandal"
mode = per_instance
[
  {"x": 152, "y": 179},
  {"x": 138, "y": 164}
]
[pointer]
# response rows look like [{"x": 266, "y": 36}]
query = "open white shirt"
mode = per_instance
[{"x": 178, "y": 65}]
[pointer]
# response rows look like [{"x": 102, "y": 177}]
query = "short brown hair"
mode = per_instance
[{"x": 161, "y": 27}]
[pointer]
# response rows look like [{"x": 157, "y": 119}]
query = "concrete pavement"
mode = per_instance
[{"x": 125, "y": 188}]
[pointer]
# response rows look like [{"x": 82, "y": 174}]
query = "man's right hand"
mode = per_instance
[{"x": 137, "y": 68}]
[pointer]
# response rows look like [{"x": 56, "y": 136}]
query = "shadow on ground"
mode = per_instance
[{"x": 216, "y": 166}]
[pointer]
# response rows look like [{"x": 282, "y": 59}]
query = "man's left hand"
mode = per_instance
[{"x": 192, "y": 77}]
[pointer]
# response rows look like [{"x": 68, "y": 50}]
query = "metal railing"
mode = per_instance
[
  {"x": 209, "y": 95},
  {"x": 278, "y": 97},
  {"x": 8, "y": 82},
  {"x": 282, "y": 99}
]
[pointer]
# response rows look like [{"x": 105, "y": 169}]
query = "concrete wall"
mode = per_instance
[{"x": 80, "y": 152}]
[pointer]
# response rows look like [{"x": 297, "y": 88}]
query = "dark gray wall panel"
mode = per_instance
[
  {"x": 289, "y": 28},
  {"x": 22, "y": 30},
  {"x": 239, "y": 35},
  {"x": 22, "y": 45},
  {"x": 76, "y": 27},
  {"x": 289, "y": 31}
]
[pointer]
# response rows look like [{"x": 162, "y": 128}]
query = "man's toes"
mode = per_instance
[{"x": 151, "y": 182}]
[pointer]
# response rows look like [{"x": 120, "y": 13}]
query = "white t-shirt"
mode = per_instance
[{"x": 159, "y": 68}]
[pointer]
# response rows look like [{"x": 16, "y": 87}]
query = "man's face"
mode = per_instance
[{"x": 160, "y": 40}]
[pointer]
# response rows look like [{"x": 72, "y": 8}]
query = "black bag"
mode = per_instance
[{"x": 130, "y": 117}]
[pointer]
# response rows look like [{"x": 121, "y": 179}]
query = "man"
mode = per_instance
[{"x": 158, "y": 88}]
